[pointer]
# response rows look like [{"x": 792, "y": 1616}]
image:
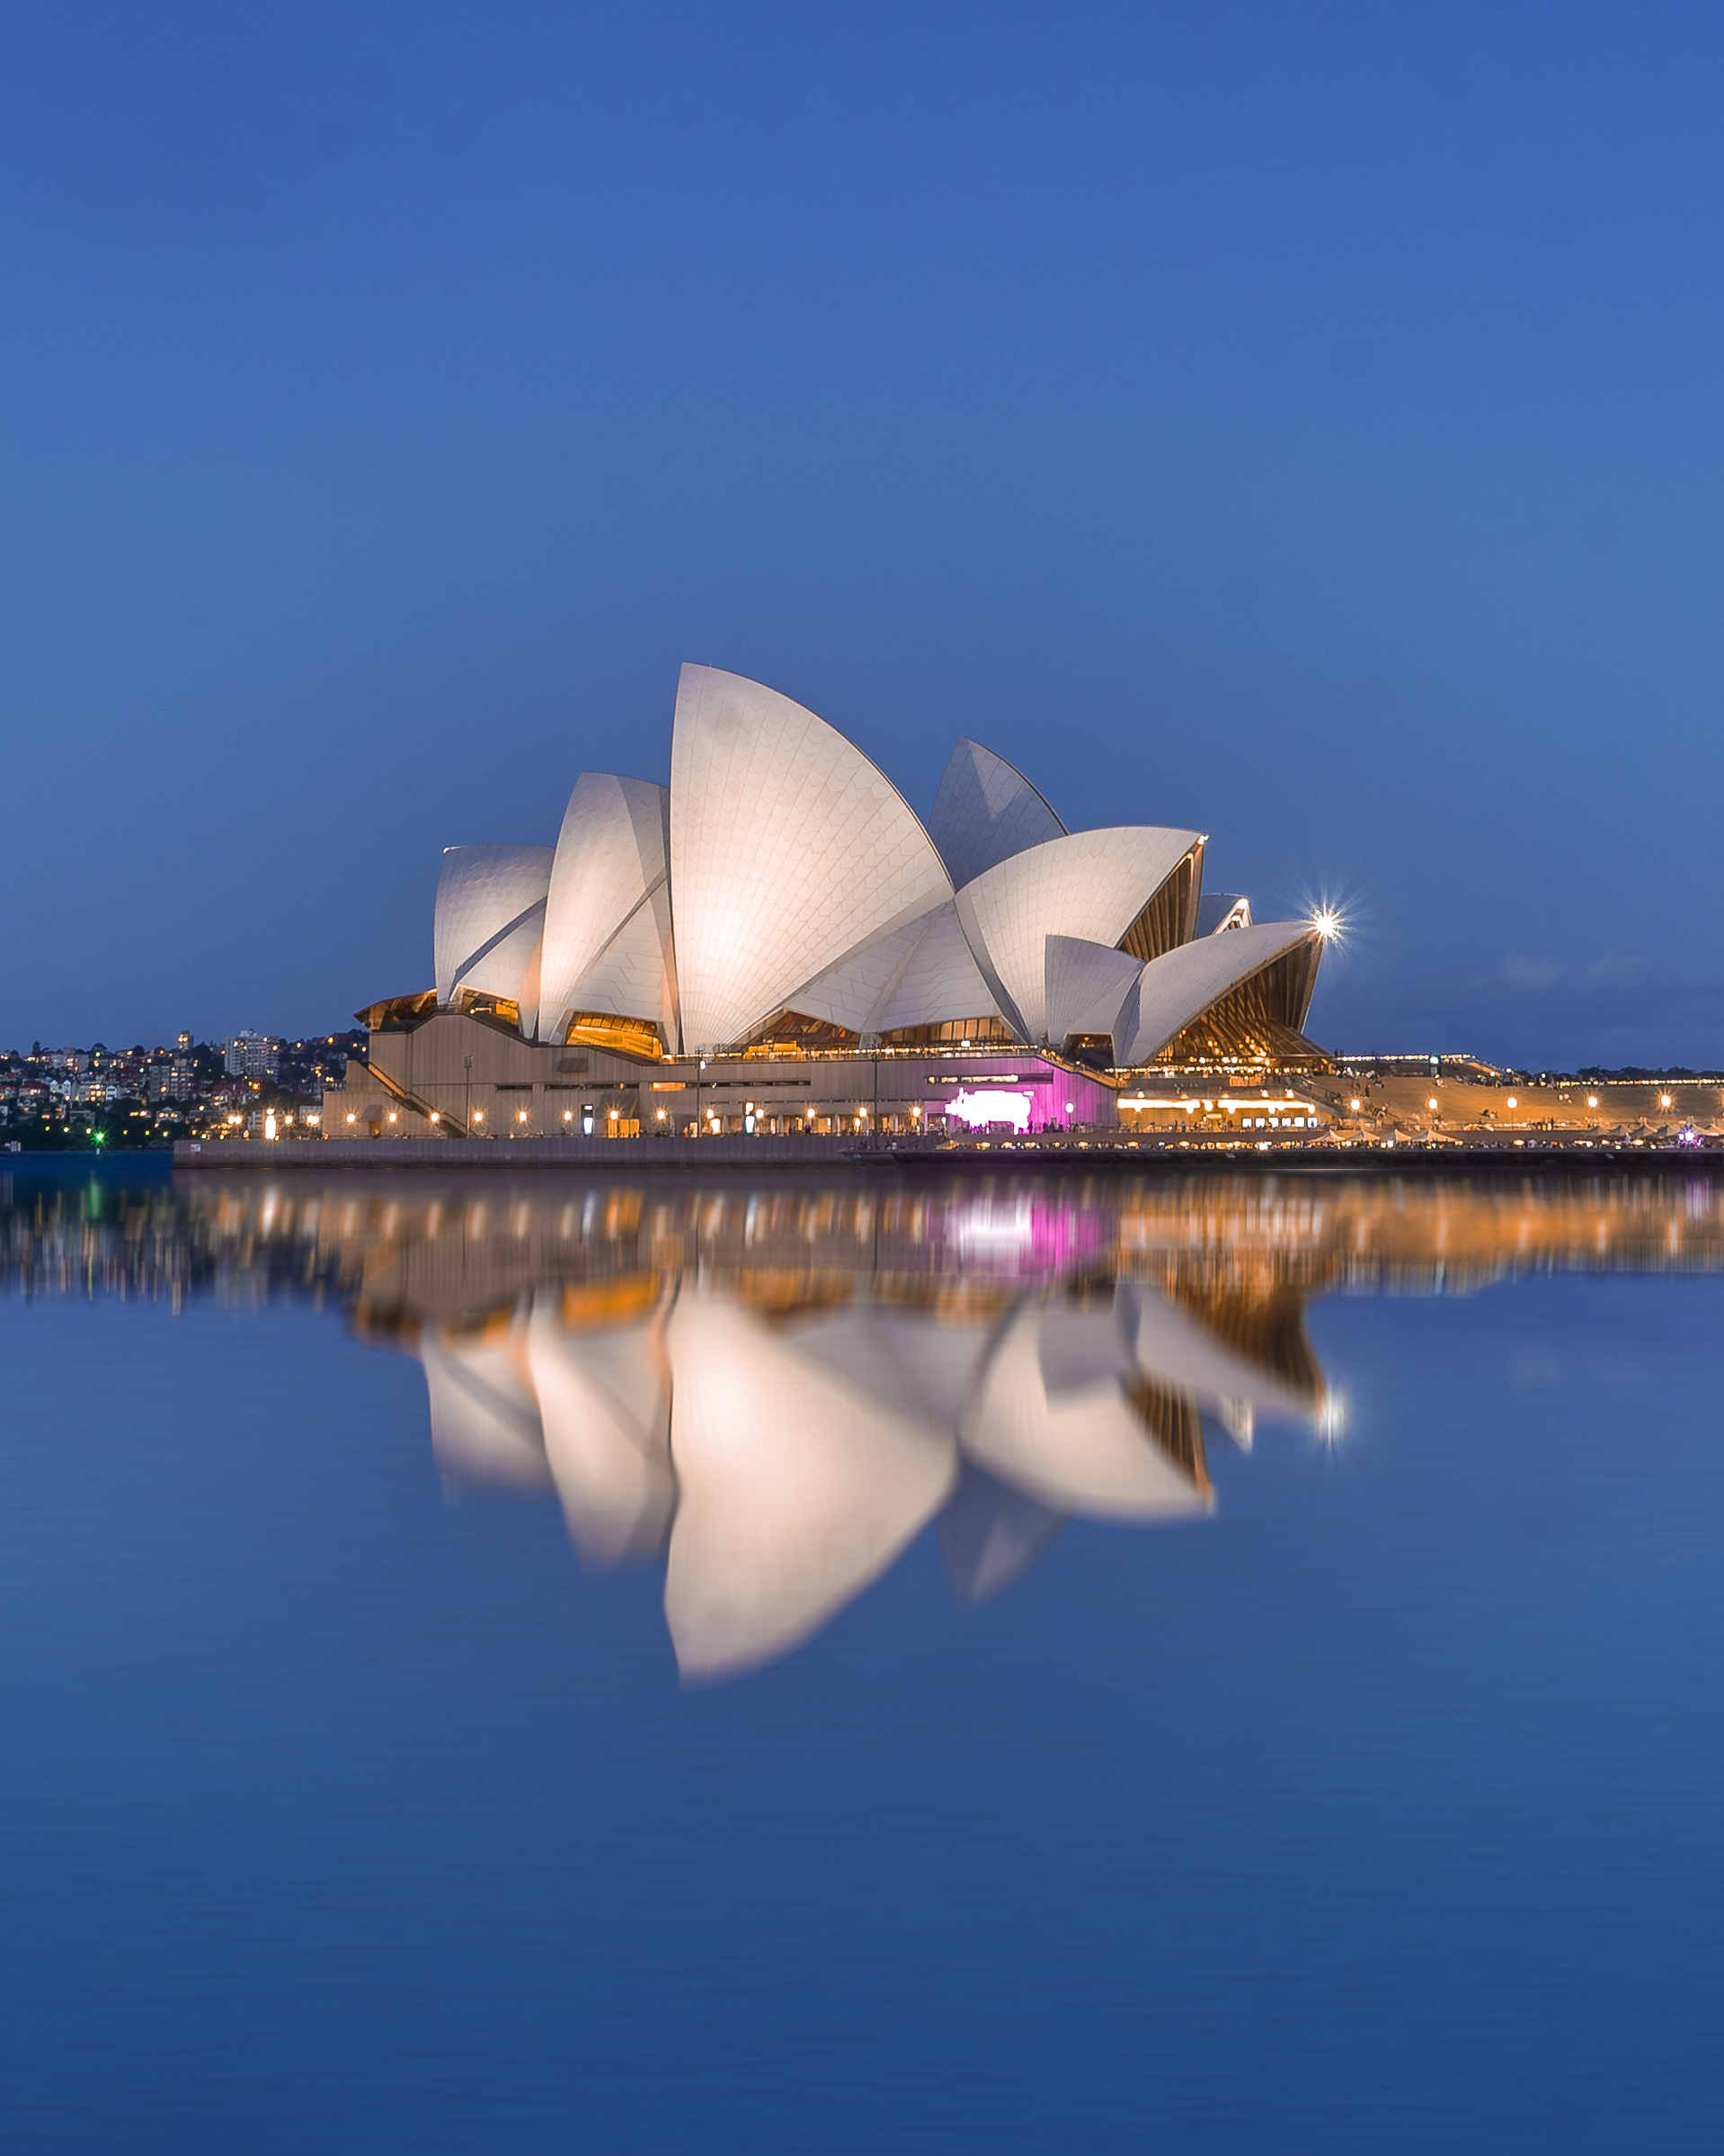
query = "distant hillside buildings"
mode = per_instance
[
  {"x": 74, "y": 1098},
  {"x": 253, "y": 1056}
]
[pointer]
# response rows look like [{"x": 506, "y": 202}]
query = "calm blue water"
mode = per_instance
[{"x": 342, "y": 1807}]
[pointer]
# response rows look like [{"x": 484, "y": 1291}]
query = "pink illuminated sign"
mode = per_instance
[{"x": 990, "y": 1106}]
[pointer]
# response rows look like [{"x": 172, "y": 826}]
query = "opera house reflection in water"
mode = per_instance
[{"x": 773, "y": 1386}]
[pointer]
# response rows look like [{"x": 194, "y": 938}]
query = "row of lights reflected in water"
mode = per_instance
[{"x": 772, "y": 1389}]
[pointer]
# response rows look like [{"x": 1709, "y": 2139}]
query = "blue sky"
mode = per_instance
[{"x": 1302, "y": 423}]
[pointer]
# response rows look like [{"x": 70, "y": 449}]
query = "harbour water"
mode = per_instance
[{"x": 798, "y": 1661}]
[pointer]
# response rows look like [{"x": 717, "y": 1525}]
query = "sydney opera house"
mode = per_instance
[{"x": 775, "y": 942}]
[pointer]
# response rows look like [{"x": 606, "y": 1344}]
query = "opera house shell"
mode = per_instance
[{"x": 780, "y": 901}]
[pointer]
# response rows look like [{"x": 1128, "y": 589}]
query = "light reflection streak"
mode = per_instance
[{"x": 773, "y": 1386}]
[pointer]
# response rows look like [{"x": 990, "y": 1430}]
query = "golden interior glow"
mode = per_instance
[
  {"x": 1175, "y": 1427},
  {"x": 494, "y": 1010},
  {"x": 1170, "y": 918},
  {"x": 636, "y": 1036},
  {"x": 955, "y": 1032},
  {"x": 1259, "y": 1019},
  {"x": 788, "y": 1032},
  {"x": 398, "y": 1013}
]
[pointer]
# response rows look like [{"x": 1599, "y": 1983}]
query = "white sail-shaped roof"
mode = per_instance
[
  {"x": 793, "y": 1492},
  {"x": 990, "y": 1535},
  {"x": 489, "y": 918},
  {"x": 606, "y": 1420},
  {"x": 1086, "y": 984},
  {"x": 1179, "y": 1353},
  {"x": 635, "y": 974},
  {"x": 484, "y": 1414},
  {"x": 1181, "y": 984},
  {"x": 1081, "y": 1449},
  {"x": 985, "y": 811},
  {"x": 787, "y": 846},
  {"x": 1141, "y": 1335},
  {"x": 922, "y": 1370},
  {"x": 922, "y": 974},
  {"x": 612, "y": 857},
  {"x": 1091, "y": 885},
  {"x": 848, "y": 994},
  {"x": 940, "y": 981},
  {"x": 1220, "y": 910},
  {"x": 1079, "y": 1347}
]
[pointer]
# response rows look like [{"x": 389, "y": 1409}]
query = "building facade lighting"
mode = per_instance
[{"x": 1005, "y": 927}]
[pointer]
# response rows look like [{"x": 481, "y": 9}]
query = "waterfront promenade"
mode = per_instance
[{"x": 1089, "y": 1148}]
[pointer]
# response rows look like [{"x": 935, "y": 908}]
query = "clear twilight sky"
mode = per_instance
[{"x": 1300, "y": 423}]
